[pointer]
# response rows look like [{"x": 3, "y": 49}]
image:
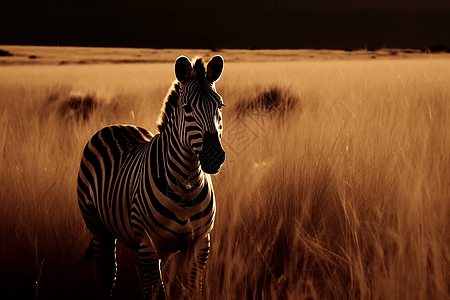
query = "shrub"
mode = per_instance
[{"x": 272, "y": 101}]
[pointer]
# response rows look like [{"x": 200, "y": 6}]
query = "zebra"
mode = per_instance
[{"x": 154, "y": 193}]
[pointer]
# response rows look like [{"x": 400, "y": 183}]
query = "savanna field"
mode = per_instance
[{"x": 336, "y": 184}]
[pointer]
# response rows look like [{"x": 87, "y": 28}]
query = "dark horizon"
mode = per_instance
[{"x": 272, "y": 24}]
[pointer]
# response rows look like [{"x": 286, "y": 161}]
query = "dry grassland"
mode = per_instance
[{"x": 336, "y": 185}]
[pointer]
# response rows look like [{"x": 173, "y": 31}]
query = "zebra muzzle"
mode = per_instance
[{"x": 212, "y": 155}]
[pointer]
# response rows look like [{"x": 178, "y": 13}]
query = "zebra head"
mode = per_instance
[{"x": 201, "y": 107}]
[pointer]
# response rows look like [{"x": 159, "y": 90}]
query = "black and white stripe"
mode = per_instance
[{"x": 154, "y": 193}]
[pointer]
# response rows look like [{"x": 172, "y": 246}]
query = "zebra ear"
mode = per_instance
[
  {"x": 183, "y": 69},
  {"x": 214, "y": 69}
]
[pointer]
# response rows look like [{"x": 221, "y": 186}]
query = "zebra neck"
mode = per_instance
[{"x": 183, "y": 174}]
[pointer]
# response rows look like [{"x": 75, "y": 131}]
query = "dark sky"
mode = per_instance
[
  {"x": 227, "y": 23},
  {"x": 396, "y": 5}
]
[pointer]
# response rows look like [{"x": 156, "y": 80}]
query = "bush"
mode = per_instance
[{"x": 272, "y": 101}]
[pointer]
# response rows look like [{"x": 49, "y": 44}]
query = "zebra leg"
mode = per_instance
[
  {"x": 105, "y": 257},
  {"x": 151, "y": 269},
  {"x": 104, "y": 246},
  {"x": 198, "y": 258}
]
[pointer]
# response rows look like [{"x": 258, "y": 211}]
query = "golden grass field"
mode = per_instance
[{"x": 336, "y": 185}]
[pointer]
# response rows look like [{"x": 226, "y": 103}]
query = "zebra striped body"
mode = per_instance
[{"x": 151, "y": 192}]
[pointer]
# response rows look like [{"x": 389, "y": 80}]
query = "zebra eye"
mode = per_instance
[
  {"x": 188, "y": 108},
  {"x": 221, "y": 105}
]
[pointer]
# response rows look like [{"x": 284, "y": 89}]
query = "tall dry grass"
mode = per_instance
[{"x": 336, "y": 184}]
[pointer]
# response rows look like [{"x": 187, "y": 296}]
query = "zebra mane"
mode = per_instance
[
  {"x": 170, "y": 102},
  {"x": 199, "y": 69}
]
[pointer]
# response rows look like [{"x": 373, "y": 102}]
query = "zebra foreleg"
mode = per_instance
[
  {"x": 198, "y": 258},
  {"x": 151, "y": 269},
  {"x": 105, "y": 257}
]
